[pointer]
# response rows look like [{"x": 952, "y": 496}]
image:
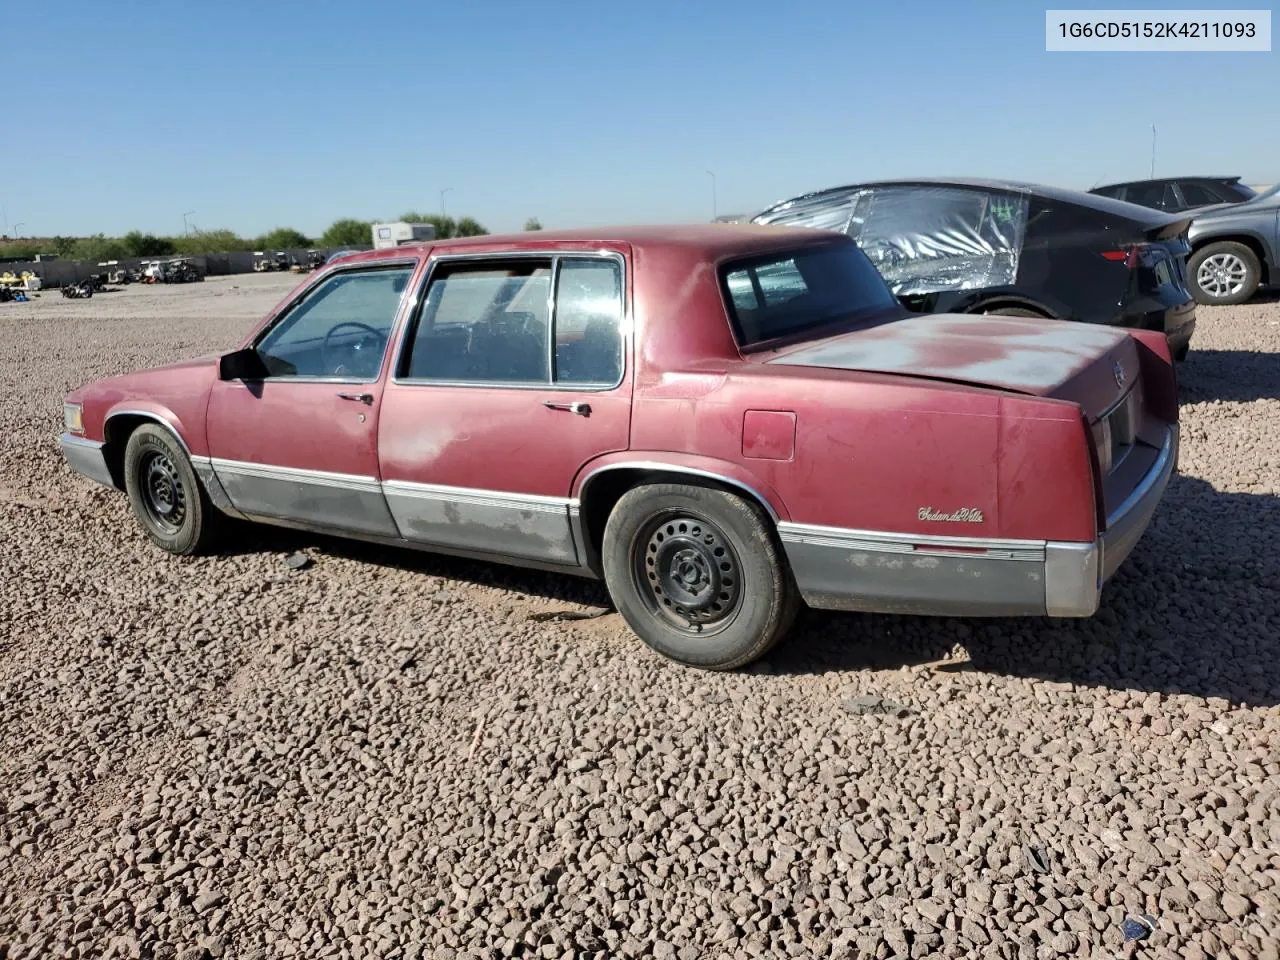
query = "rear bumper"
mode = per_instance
[
  {"x": 1176, "y": 320},
  {"x": 86, "y": 458},
  {"x": 874, "y": 572}
]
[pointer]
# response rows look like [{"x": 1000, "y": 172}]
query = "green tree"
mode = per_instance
[
  {"x": 24, "y": 249},
  {"x": 282, "y": 238},
  {"x": 348, "y": 233},
  {"x": 469, "y": 227},
  {"x": 209, "y": 241},
  {"x": 97, "y": 248},
  {"x": 146, "y": 244},
  {"x": 533, "y": 223}
]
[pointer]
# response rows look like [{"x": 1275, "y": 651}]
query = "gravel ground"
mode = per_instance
[{"x": 388, "y": 754}]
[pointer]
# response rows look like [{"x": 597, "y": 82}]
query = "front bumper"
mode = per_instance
[
  {"x": 87, "y": 458},
  {"x": 876, "y": 572}
]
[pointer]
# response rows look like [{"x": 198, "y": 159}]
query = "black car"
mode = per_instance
[
  {"x": 987, "y": 246},
  {"x": 1174, "y": 194}
]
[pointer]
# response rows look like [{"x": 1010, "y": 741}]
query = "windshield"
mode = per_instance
[{"x": 781, "y": 295}]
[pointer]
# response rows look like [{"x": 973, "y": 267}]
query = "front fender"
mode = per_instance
[{"x": 147, "y": 410}]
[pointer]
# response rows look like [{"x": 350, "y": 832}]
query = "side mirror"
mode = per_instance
[{"x": 241, "y": 365}]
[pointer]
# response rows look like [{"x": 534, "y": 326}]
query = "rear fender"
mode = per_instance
[{"x": 706, "y": 468}]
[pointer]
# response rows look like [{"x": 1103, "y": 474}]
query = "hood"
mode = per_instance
[{"x": 1085, "y": 363}]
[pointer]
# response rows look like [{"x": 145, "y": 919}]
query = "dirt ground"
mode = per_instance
[{"x": 383, "y": 755}]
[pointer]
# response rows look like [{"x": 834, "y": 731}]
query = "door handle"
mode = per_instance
[
  {"x": 578, "y": 407},
  {"x": 358, "y": 397}
]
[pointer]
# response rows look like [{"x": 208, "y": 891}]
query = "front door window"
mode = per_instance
[{"x": 339, "y": 329}]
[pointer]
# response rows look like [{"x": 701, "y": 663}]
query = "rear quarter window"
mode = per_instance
[{"x": 792, "y": 293}]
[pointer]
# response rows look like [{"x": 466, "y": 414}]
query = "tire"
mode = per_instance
[
  {"x": 664, "y": 543},
  {"x": 1224, "y": 273},
  {"x": 157, "y": 473}
]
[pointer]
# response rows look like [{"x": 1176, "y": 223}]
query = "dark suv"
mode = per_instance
[
  {"x": 987, "y": 246},
  {"x": 1173, "y": 194}
]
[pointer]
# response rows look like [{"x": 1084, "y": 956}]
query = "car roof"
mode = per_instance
[
  {"x": 1092, "y": 201},
  {"x": 712, "y": 241},
  {"x": 1134, "y": 183}
]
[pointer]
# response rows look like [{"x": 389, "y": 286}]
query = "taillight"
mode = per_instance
[{"x": 1130, "y": 256}]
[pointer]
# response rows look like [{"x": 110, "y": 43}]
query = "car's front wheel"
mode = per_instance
[
  {"x": 698, "y": 574},
  {"x": 1224, "y": 273},
  {"x": 165, "y": 493}
]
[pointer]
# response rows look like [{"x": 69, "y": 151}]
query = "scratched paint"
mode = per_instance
[{"x": 1029, "y": 355}]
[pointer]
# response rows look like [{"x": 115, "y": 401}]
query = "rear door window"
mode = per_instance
[{"x": 1160, "y": 196}]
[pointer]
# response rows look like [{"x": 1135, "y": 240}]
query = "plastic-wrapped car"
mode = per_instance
[{"x": 987, "y": 246}]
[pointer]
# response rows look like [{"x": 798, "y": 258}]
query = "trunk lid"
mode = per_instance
[{"x": 1088, "y": 364}]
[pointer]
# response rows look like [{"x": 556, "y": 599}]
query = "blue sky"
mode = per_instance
[{"x": 288, "y": 113}]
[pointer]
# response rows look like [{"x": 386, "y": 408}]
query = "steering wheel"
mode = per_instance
[{"x": 325, "y": 348}]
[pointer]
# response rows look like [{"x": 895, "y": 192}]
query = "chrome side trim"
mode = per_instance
[
  {"x": 910, "y": 543},
  {"x": 471, "y": 495},
  {"x": 690, "y": 471},
  {"x": 86, "y": 457},
  {"x": 322, "y": 478}
]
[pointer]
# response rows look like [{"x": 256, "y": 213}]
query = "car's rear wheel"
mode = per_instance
[
  {"x": 165, "y": 494},
  {"x": 1014, "y": 312},
  {"x": 1224, "y": 273},
  {"x": 698, "y": 574}
]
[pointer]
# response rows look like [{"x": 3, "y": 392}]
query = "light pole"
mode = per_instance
[
  {"x": 185, "y": 231},
  {"x": 714, "y": 211},
  {"x": 16, "y": 234},
  {"x": 1153, "y": 151},
  {"x": 442, "y": 193}
]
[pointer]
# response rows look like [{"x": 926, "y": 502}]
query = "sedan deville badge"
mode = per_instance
[{"x": 963, "y": 515}]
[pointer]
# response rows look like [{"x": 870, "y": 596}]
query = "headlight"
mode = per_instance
[{"x": 72, "y": 417}]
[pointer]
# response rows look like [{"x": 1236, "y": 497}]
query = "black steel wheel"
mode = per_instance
[
  {"x": 688, "y": 572},
  {"x": 698, "y": 574},
  {"x": 166, "y": 494},
  {"x": 163, "y": 495}
]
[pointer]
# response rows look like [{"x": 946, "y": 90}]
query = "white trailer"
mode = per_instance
[{"x": 400, "y": 233}]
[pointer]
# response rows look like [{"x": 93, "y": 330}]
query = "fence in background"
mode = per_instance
[{"x": 56, "y": 273}]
